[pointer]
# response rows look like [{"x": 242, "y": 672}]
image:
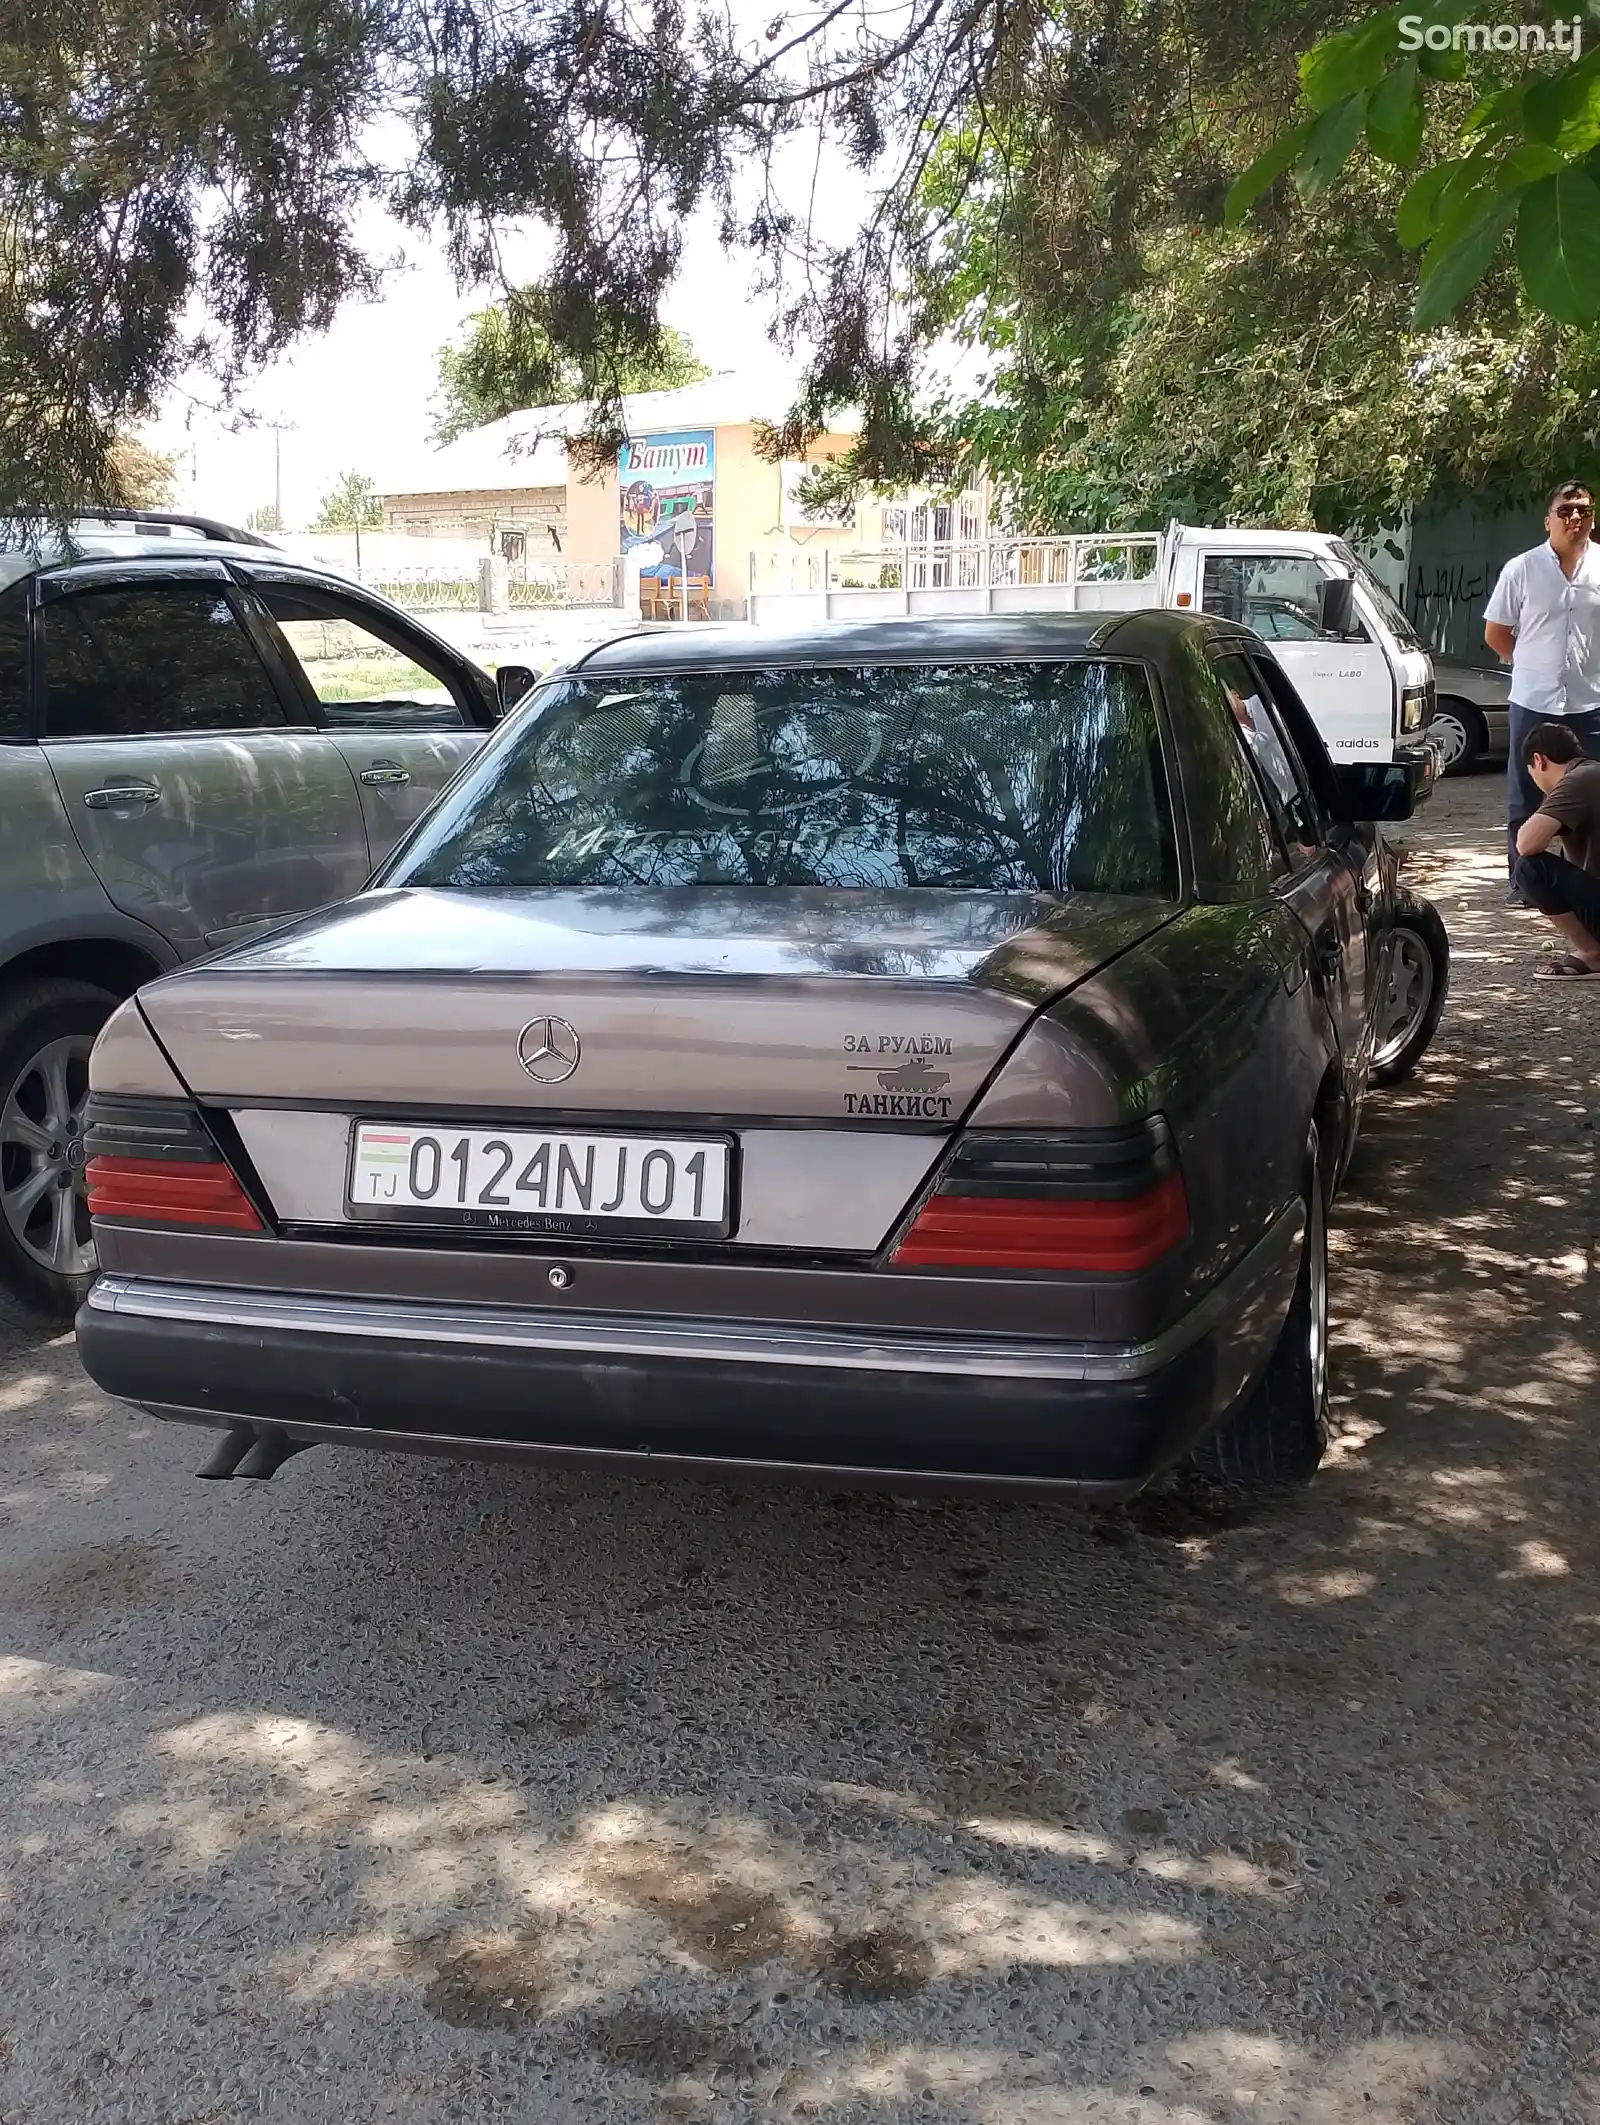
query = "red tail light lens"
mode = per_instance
[
  {"x": 164, "y": 1192},
  {"x": 154, "y": 1162},
  {"x": 1112, "y": 1201}
]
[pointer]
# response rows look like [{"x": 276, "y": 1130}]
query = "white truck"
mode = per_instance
[{"x": 1352, "y": 654}]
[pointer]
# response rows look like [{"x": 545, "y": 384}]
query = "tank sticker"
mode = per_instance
[{"x": 912, "y": 1090}]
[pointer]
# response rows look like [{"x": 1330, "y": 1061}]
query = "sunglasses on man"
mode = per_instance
[{"x": 1572, "y": 509}]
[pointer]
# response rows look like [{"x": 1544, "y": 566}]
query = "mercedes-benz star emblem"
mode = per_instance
[{"x": 548, "y": 1049}]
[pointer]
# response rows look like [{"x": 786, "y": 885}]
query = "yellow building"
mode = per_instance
[{"x": 691, "y": 497}]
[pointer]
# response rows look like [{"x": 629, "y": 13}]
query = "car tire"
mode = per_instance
[
  {"x": 1461, "y": 734},
  {"x": 1414, "y": 997},
  {"x": 1278, "y": 1434},
  {"x": 46, "y": 1031}
]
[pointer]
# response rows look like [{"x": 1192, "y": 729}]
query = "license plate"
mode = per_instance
[{"x": 525, "y": 1180}]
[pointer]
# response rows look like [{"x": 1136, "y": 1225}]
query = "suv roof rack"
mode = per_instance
[{"x": 209, "y": 527}]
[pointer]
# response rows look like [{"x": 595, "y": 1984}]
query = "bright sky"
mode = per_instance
[{"x": 357, "y": 398}]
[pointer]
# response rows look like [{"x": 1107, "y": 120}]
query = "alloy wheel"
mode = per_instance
[
  {"x": 1450, "y": 735},
  {"x": 1406, "y": 999},
  {"x": 43, "y": 1197}
]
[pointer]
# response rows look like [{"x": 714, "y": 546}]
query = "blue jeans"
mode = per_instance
[{"x": 1523, "y": 794}]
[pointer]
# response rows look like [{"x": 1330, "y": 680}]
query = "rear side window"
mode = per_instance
[
  {"x": 164, "y": 661},
  {"x": 992, "y": 778},
  {"x": 14, "y": 662},
  {"x": 1281, "y": 780},
  {"x": 1236, "y": 850}
]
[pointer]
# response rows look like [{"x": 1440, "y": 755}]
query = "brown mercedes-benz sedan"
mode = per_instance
[{"x": 907, "y": 1053}]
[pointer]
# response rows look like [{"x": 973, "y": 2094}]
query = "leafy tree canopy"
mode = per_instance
[
  {"x": 140, "y": 478},
  {"x": 351, "y": 504},
  {"x": 266, "y": 518},
  {"x": 1511, "y": 112},
  {"x": 1047, "y": 179},
  {"x": 1147, "y": 354},
  {"x": 204, "y": 158},
  {"x": 506, "y": 360}
]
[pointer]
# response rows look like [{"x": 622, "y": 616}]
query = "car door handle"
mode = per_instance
[
  {"x": 115, "y": 797},
  {"x": 384, "y": 773},
  {"x": 1327, "y": 951}
]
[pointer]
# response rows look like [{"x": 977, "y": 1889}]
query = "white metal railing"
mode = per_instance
[
  {"x": 982, "y": 564},
  {"x": 538, "y": 583},
  {"x": 423, "y": 589}
]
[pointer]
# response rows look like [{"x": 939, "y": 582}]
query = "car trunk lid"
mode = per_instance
[{"x": 889, "y": 1009}]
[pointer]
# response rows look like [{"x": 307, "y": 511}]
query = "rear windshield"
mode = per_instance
[{"x": 1004, "y": 777}]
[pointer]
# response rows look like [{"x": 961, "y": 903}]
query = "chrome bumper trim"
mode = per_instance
[{"x": 611, "y": 1336}]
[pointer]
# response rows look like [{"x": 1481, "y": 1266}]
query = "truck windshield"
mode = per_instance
[
  {"x": 1043, "y": 777},
  {"x": 1389, "y": 611}
]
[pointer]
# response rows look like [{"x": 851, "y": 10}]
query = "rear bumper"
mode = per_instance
[{"x": 840, "y": 1404}]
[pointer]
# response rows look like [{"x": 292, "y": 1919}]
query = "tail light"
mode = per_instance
[
  {"x": 1109, "y": 1200},
  {"x": 154, "y": 1163}
]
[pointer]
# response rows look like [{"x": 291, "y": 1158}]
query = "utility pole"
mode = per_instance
[{"x": 278, "y": 428}]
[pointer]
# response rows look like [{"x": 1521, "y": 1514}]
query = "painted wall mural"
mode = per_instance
[{"x": 667, "y": 484}]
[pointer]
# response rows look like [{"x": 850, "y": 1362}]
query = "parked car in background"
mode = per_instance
[
  {"x": 912, "y": 1052},
  {"x": 1471, "y": 721},
  {"x": 198, "y": 738},
  {"x": 1348, "y": 648}
]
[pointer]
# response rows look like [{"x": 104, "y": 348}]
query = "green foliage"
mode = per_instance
[
  {"x": 1048, "y": 181},
  {"x": 1558, "y": 244},
  {"x": 140, "y": 478},
  {"x": 152, "y": 159},
  {"x": 1519, "y": 161},
  {"x": 1164, "y": 337},
  {"x": 351, "y": 504},
  {"x": 507, "y": 361},
  {"x": 265, "y": 519}
]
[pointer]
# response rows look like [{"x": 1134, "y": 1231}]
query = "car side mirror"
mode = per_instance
[
  {"x": 1378, "y": 791},
  {"x": 511, "y": 682},
  {"x": 1336, "y": 606}
]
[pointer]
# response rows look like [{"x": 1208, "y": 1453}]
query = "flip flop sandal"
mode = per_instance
[{"x": 1566, "y": 966}]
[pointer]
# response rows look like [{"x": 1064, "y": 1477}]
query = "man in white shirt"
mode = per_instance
[{"x": 1543, "y": 618}]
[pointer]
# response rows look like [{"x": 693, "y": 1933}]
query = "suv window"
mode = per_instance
[
  {"x": 14, "y": 662},
  {"x": 362, "y": 678},
  {"x": 1278, "y": 595},
  {"x": 1282, "y": 783},
  {"x": 166, "y": 660}
]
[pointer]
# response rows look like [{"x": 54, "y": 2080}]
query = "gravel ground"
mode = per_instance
[{"x": 408, "y": 1791}]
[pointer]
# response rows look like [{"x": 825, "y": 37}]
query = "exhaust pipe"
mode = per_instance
[
  {"x": 255, "y": 1455},
  {"x": 267, "y": 1456},
  {"x": 229, "y": 1451}
]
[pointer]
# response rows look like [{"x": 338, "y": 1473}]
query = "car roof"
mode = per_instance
[
  {"x": 978, "y": 639},
  {"x": 53, "y": 551}
]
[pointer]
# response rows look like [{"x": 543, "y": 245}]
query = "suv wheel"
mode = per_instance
[
  {"x": 46, "y": 1031},
  {"x": 1278, "y": 1434}
]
